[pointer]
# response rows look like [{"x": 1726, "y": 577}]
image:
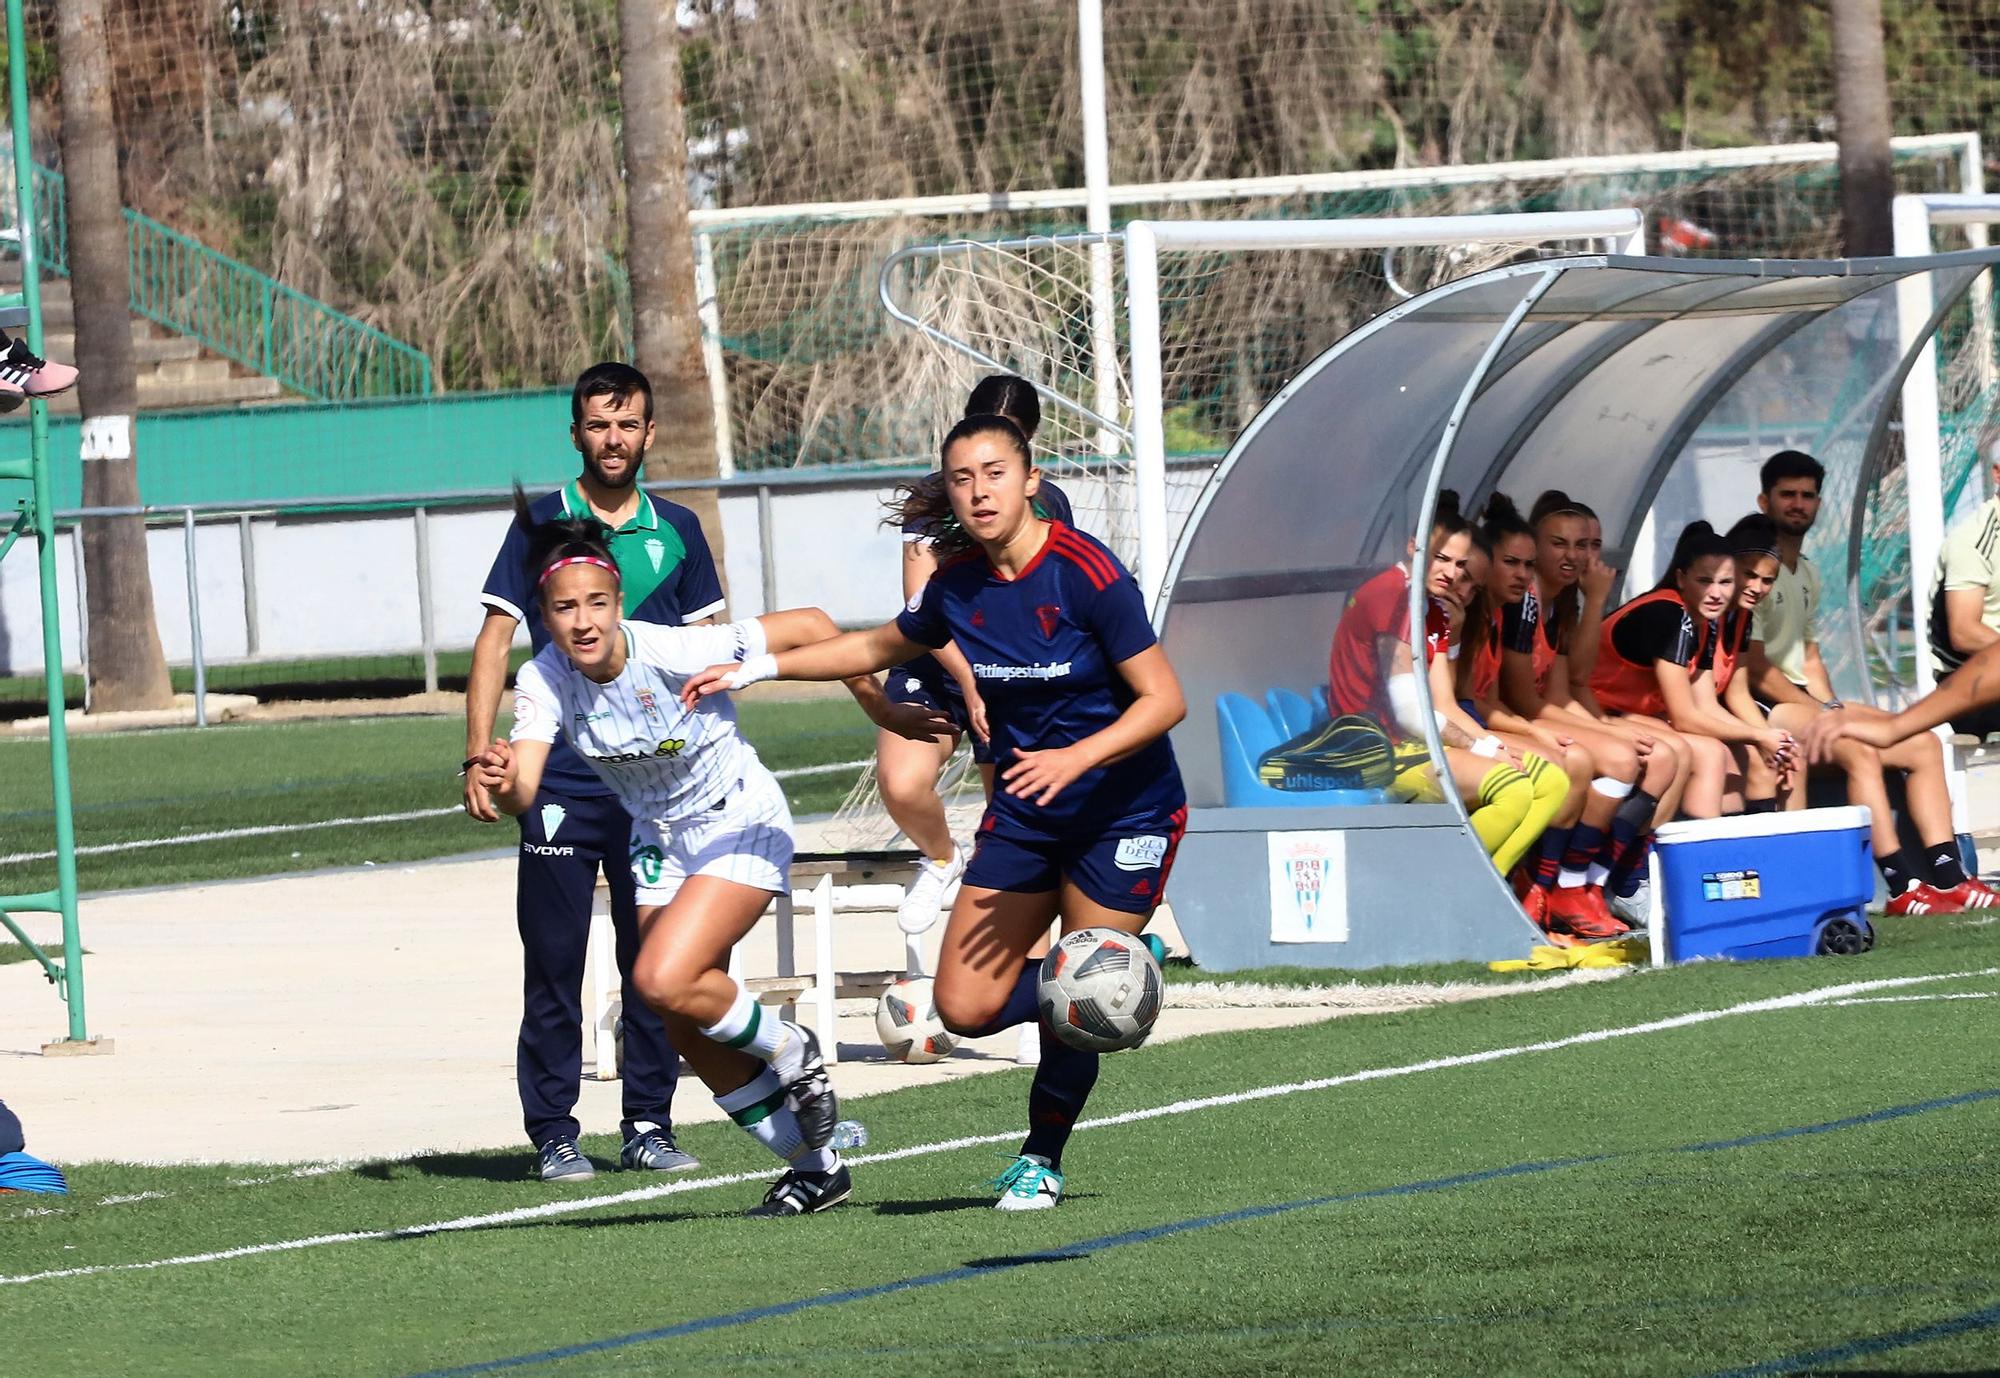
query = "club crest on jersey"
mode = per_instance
[
  {"x": 1050, "y": 616},
  {"x": 648, "y": 704},
  {"x": 979, "y": 617},
  {"x": 656, "y": 551},
  {"x": 1140, "y": 853}
]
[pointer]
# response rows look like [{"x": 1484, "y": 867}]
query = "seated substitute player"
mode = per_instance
[
  {"x": 942, "y": 679},
  {"x": 1653, "y": 649},
  {"x": 711, "y": 835},
  {"x": 1370, "y": 673},
  {"x": 1638, "y": 774},
  {"x": 1497, "y": 578},
  {"x": 1088, "y": 808},
  {"x": 1754, "y": 540}
]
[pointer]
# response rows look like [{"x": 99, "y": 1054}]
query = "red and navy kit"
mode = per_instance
[
  {"x": 1728, "y": 643},
  {"x": 1651, "y": 628},
  {"x": 1379, "y": 608},
  {"x": 1525, "y": 630},
  {"x": 1484, "y": 683},
  {"x": 1044, "y": 648},
  {"x": 924, "y": 680}
]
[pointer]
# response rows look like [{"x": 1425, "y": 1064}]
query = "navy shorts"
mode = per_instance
[
  {"x": 1472, "y": 711},
  {"x": 1125, "y": 868},
  {"x": 910, "y": 685}
]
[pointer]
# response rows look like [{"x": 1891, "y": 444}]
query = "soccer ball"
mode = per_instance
[
  {"x": 1100, "y": 990},
  {"x": 907, "y": 1021}
]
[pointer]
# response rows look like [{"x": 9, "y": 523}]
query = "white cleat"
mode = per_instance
[
  {"x": 935, "y": 886},
  {"x": 1029, "y": 1184},
  {"x": 1636, "y": 909}
]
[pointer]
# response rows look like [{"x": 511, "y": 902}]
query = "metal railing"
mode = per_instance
[{"x": 240, "y": 313}]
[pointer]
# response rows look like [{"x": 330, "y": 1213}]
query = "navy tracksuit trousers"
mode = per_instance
[{"x": 564, "y": 840}]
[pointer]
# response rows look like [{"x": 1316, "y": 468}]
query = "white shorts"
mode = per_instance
[{"x": 746, "y": 837}]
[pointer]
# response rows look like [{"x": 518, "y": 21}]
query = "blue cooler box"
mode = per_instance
[{"x": 1763, "y": 885}]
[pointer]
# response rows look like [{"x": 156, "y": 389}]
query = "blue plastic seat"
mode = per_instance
[
  {"x": 1291, "y": 712},
  {"x": 1247, "y": 730}
]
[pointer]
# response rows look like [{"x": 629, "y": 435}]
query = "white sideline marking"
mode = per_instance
[
  {"x": 271, "y": 829},
  {"x": 1913, "y": 999},
  {"x": 549, "y": 1209}
]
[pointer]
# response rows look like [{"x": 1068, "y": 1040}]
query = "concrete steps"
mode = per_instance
[{"x": 174, "y": 371}]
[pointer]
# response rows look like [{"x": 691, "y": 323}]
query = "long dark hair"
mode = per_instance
[
  {"x": 1752, "y": 537},
  {"x": 923, "y": 503},
  {"x": 1698, "y": 541},
  {"x": 561, "y": 538},
  {"x": 1008, "y": 395}
]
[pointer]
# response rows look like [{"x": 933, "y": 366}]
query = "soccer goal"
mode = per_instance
[
  {"x": 1948, "y": 408},
  {"x": 1212, "y": 318}
]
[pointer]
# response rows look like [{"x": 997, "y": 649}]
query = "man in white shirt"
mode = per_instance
[{"x": 1965, "y": 597}]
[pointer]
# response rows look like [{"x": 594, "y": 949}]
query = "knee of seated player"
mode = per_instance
[
  {"x": 1617, "y": 760},
  {"x": 1710, "y": 758},
  {"x": 1579, "y": 762}
]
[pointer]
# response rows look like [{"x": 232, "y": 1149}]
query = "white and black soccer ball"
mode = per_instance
[
  {"x": 907, "y": 1020},
  {"x": 1100, "y": 990}
]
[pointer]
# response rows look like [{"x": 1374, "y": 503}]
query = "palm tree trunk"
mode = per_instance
[
  {"x": 1861, "y": 108},
  {"x": 666, "y": 333},
  {"x": 127, "y": 668}
]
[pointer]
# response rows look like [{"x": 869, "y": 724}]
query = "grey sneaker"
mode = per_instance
[
  {"x": 562, "y": 1161},
  {"x": 808, "y": 1089},
  {"x": 804, "y": 1193},
  {"x": 654, "y": 1149},
  {"x": 1635, "y": 909}
]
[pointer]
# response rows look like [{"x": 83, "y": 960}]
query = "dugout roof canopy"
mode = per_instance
[{"x": 1637, "y": 385}]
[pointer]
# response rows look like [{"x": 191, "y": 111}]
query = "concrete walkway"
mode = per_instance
[{"x": 363, "y": 1014}]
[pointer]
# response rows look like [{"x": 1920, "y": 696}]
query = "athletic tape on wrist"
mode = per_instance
[{"x": 754, "y": 670}]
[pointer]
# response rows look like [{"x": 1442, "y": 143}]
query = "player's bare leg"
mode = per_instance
[{"x": 907, "y": 772}]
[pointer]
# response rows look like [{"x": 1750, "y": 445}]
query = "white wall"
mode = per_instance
[{"x": 329, "y": 585}]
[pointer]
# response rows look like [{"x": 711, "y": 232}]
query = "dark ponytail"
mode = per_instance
[
  {"x": 1008, "y": 395},
  {"x": 1754, "y": 537},
  {"x": 1698, "y": 541},
  {"x": 561, "y": 538},
  {"x": 1501, "y": 520},
  {"x": 923, "y": 505}
]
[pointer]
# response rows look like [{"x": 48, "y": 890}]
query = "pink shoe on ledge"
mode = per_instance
[{"x": 22, "y": 372}]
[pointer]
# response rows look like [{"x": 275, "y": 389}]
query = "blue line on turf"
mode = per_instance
[
  {"x": 1083, "y": 1248},
  {"x": 1894, "y": 1112},
  {"x": 1970, "y": 1323}
]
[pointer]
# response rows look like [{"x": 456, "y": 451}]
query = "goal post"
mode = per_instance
[
  {"x": 1622, "y": 230},
  {"x": 1968, "y": 374},
  {"x": 1029, "y": 306}
]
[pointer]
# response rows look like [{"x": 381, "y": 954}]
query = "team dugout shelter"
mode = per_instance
[{"x": 1649, "y": 389}]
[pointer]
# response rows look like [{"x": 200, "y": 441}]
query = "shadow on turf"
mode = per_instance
[
  {"x": 944, "y": 1204},
  {"x": 482, "y": 1167}
]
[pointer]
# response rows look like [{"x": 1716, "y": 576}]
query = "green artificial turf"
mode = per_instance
[
  {"x": 1582, "y": 1209},
  {"x": 147, "y": 785}
]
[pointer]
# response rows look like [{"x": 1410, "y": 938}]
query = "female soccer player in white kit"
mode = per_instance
[{"x": 711, "y": 834}]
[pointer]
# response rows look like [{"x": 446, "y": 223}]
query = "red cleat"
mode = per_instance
[
  {"x": 1580, "y": 910},
  {"x": 1922, "y": 898},
  {"x": 1535, "y": 904},
  {"x": 1969, "y": 895}
]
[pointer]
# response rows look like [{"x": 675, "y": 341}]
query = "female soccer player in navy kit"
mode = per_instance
[
  {"x": 942, "y": 679},
  {"x": 1088, "y": 808},
  {"x": 711, "y": 833}
]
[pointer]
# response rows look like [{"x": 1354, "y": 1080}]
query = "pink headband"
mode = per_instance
[{"x": 576, "y": 560}]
